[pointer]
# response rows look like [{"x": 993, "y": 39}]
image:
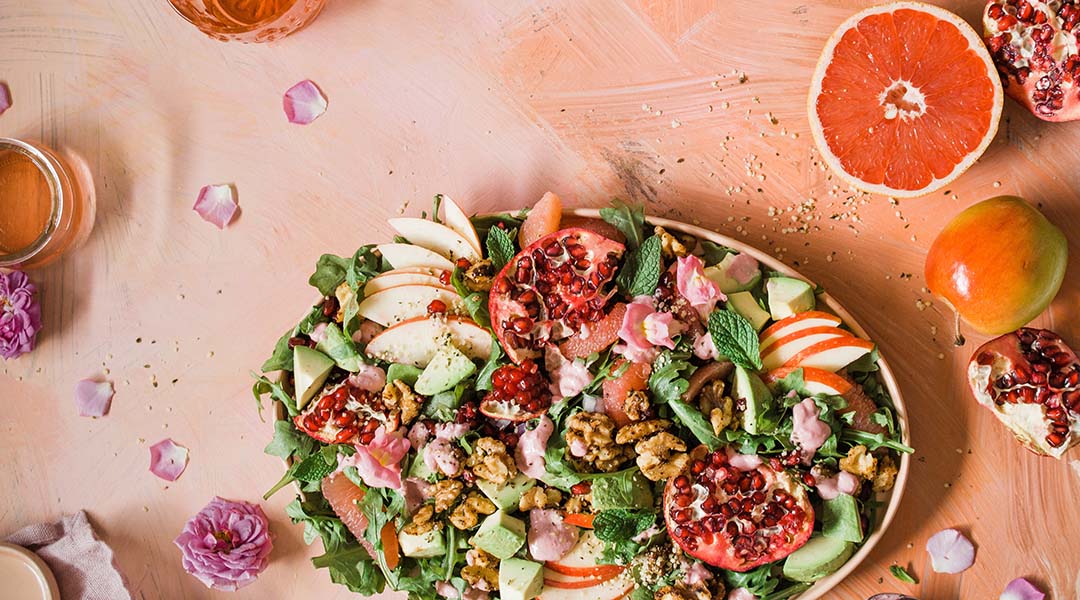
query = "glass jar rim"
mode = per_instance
[
  {"x": 48, "y": 169},
  {"x": 226, "y": 28}
]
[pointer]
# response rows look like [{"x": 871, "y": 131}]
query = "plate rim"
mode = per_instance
[{"x": 38, "y": 566}]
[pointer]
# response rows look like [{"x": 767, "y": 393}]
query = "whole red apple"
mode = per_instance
[{"x": 999, "y": 263}]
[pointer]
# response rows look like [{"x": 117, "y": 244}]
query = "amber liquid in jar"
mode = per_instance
[
  {"x": 249, "y": 20},
  {"x": 26, "y": 204}
]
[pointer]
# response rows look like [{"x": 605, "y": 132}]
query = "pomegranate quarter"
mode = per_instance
[{"x": 999, "y": 264}]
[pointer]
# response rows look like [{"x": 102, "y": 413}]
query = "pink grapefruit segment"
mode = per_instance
[{"x": 544, "y": 218}]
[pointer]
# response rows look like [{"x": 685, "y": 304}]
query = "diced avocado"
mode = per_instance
[
  {"x": 624, "y": 489},
  {"x": 756, "y": 398},
  {"x": 310, "y": 369},
  {"x": 420, "y": 470},
  {"x": 788, "y": 296},
  {"x": 446, "y": 369},
  {"x": 443, "y": 406},
  {"x": 520, "y": 579},
  {"x": 340, "y": 348},
  {"x": 840, "y": 519},
  {"x": 422, "y": 545},
  {"x": 500, "y": 535},
  {"x": 507, "y": 495},
  {"x": 735, "y": 273},
  {"x": 407, "y": 374},
  {"x": 746, "y": 305},
  {"x": 820, "y": 557}
]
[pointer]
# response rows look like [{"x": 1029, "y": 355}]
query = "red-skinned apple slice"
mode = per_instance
[
  {"x": 409, "y": 276},
  {"x": 577, "y": 582},
  {"x": 456, "y": 219},
  {"x": 396, "y": 304},
  {"x": 794, "y": 323},
  {"x": 815, "y": 381},
  {"x": 409, "y": 256},
  {"x": 415, "y": 341},
  {"x": 612, "y": 589},
  {"x": 783, "y": 349},
  {"x": 582, "y": 560},
  {"x": 832, "y": 354},
  {"x": 435, "y": 237}
]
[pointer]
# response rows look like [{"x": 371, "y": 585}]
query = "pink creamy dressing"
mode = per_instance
[
  {"x": 549, "y": 537},
  {"x": 532, "y": 444},
  {"x": 369, "y": 378},
  {"x": 439, "y": 454},
  {"x": 743, "y": 268},
  {"x": 809, "y": 432},
  {"x": 841, "y": 483},
  {"x": 744, "y": 462},
  {"x": 568, "y": 377},
  {"x": 704, "y": 348}
]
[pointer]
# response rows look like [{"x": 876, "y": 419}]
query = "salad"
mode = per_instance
[{"x": 529, "y": 405}]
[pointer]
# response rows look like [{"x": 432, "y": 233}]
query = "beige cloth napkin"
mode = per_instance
[{"x": 83, "y": 565}]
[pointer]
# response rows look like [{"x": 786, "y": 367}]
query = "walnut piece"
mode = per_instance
[
  {"x": 886, "y": 475},
  {"x": 638, "y": 431},
  {"x": 344, "y": 295},
  {"x": 539, "y": 497},
  {"x": 491, "y": 461},
  {"x": 670, "y": 246},
  {"x": 661, "y": 456},
  {"x": 637, "y": 406},
  {"x": 479, "y": 276},
  {"x": 579, "y": 504},
  {"x": 481, "y": 571},
  {"x": 718, "y": 407},
  {"x": 397, "y": 395},
  {"x": 446, "y": 492},
  {"x": 422, "y": 521},
  {"x": 685, "y": 591},
  {"x": 467, "y": 514},
  {"x": 590, "y": 440},
  {"x": 859, "y": 462}
]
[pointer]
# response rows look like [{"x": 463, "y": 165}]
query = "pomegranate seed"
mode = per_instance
[
  {"x": 297, "y": 341},
  {"x": 436, "y": 307},
  {"x": 462, "y": 263},
  {"x": 329, "y": 306},
  {"x": 682, "y": 482},
  {"x": 580, "y": 489},
  {"x": 345, "y": 435},
  {"x": 445, "y": 277}
]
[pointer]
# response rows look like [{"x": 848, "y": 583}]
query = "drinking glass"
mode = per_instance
[{"x": 248, "y": 20}]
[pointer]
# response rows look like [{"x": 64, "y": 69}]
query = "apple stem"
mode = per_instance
[{"x": 959, "y": 339}]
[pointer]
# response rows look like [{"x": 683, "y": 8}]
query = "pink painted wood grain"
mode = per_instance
[{"x": 493, "y": 103}]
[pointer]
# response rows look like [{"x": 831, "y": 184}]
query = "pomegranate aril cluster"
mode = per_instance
[
  {"x": 330, "y": 419},
  {"x": 522, "y": 385}
]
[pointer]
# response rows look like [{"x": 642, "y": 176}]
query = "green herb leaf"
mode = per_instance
[
  {"x": 329, "y": 273},
  {"x": 713, "y": 253},
  {"x": 619, "y": 525},
  {"x": 735, "y": 338},
  {"x": 500, "y": 248},
  {"x": 628, "y": 219},
  {"x": 873, "y": 441},
  {"x": 640, "y": 273},
  {"x": 310, "y": 470},
  {"x": 760, "y": 581},
  {"x": 668, "y": 379},
  {"x": 494, "y": 361},
  {"x": 264, "y": 386},
  {"x": 475, "y": 302},
  {"x": 282, "y": 358},
  {"x": 289, "y": 442},
  {"x": 351, "y": 566},
  {"x": 692, "y": 419},
  {"x": 902, "y": 574},
  {"x": 485, "y": 223}
]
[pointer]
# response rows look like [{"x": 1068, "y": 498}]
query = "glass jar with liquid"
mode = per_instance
[
  {"x": 46, "y": 204},
  {"x": 249, "y": 20}
]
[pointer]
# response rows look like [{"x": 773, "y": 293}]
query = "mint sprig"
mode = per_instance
[
  {"x": 500, "y": 248},
  {"x": 735, "y": 338},
  {"x": 629, "y": 219},
  {"x": 902, "y": 574},
  {"x": 641, "y": 270}
]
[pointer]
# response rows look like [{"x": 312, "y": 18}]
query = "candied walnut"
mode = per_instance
[
  {"x": 702, "y": 590},
  {"x": 479, "y": 276},
  {"x": 446, "y": 492},
  {"x": 491, "y": 461},
  {"x": 638, "y": 431},
  {"x": 422, "y": 521},
  {"x": 539, "y": 497},
  {"x": 661, "y": 456},
  {"x": 467, "y": 514},
  {"x": 637, "y": 406},
  {"x": 481, "y": 571},
  {"x": 886, "y": 475},
  {"x": 670, "y": 246},
  {"x": 716, "y": 405},
  {"x": 344, "y": 295},
  {"x": 859, "y": 462},
  {"x": 397, "y": 395},
  {"x": 590, "y": 440},
  {"x": 579, "y": 504}
]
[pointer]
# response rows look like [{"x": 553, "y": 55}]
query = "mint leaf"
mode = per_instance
[
  {"x": 500, "y": 248},
  {"x": 902, "y": 574},
  {"x": 619, "y": 525},
  {"x": 735, "y": 338},
  {"x": 629, "y": 219},
  {"x": 309, "y": 470},
  {"x": 640, "y": 273},
  {"x": 288, "y": 441},
  {"x": 329, "y": 273}
]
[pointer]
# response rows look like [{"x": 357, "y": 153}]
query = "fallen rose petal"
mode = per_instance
[
  {"x": 5, "y": 98},
  {"x": 1021, "y": 589},
  {"x": 93, "y": 398},
  {"x": 304, "y": 102},
  {"x": 890, "y": 597},
  {"x": 950, "y": 552},
  {"x": 168, "y": 459},
  {"x": 216, "y": 204}
]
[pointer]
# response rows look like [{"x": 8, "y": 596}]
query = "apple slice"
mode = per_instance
[
  {"x": 832, "y": 354},
  {"x": 456, "y": 219},
  {"x": 788, "y": 326},
  {"x": 815, "y": 381},
  {"x": 396, "y": 304},
  {"x": 435, "y": 237},
  {"x": 780, "y": 351},
  {"x": 410, "y": 276},
  {"x": 612, "y": 589},
  {"x": 409, "y": 256},
  {"x": 574, "y": 582},
  {"x": 415, "y": 341},
  {"x": 582, "y": 560}
]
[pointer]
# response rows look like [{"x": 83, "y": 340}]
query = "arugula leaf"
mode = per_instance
[
  {"x": 640, "y": 273},
  {"x": 713, "y": 253},
  {"x": 692, "y": 419},
  {"x": 667, "y": 381},
  {"x": 380, "y": 506},
  {"x": 475, "y": 302},
  {"x": 559, "y": 474},
  {"x": 735, "y": 338},
  {"x": 264, "y": 386},
  {"x": 902, "y": 574},
  {"x": 364, "y": 265},
  {"x": 329, "y": 273},
  {"x": 629, "y": 219},
  {"x": 351, "y": 566},
  {"x": 873, "y": 441},
  {"x": 319, "y": 521},
  {"x": 282, "y": 357},
  {"x": 494, "y": 361},
  {"x": 759, "y": 582},
  {"x": 310, "y": 470},
  {"x": 500, "y": 247},
  {"x": 289, "y": 442}
]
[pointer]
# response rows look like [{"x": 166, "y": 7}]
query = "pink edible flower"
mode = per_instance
[
  {"x": 643, "y": 329},
  {"x": 168, "y": 459},
  {"x": 216, "y": 204},
  {"x": 304, "y": 102},
  {"x": 226, "y": 545},
  {"x": 950, "y": 552},
  {"x": 93, "y": 398},
  {"x": 20, "y": 315},
  {"x": 701, "y": 292},
  {"x": 1021, "y": 589},
  {"x": 5, "y": 97},
  {"x": 379, "y": 463}
]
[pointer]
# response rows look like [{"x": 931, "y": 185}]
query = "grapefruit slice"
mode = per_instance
[
  {"x": 904, "y": 99},
  {"x": 343, "y": 496},
  {"x": 636, "y": 377},
  {"x": 543, "y": 219},
  {"x": 595, "y": 337}
]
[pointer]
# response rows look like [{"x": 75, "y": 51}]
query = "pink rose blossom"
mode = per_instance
[
  {"x": 379, "y": 463},
  {"x": 701, "y": 292},
  {"x": 226, "y": 545},
  {"x": 642, "y": 329},
  {"x": 20, "y": 315}
]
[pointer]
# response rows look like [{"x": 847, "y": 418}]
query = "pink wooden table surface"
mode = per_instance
[{"x": 493, "y": 103}]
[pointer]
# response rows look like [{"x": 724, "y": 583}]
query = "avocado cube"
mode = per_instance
[
  {"x": 818, "y": 558},
  {"x": 422, "y": 545},
  {"x": 310, "y": 370},
  {"x": 755, "y": 397},
  {"x": 507, "y": 495},
  {"x": 520, "y": 579},
  {"x": 840, "y": 518},
  {"x": 788, "y": 296},
  {"x": 446, "y": 369},
  {"x": 746, "y": 305},
  {"x": 500, "y": 535}
]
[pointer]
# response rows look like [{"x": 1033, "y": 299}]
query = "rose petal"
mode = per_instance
[
  {"x": 93, "y": 398},
  {"x": 216, "y": 204},
  {"x": 741, "y": 594},
  {"x": 950, "y": 552},
  {"x": 5, "y": 97},
  {"x": 890, "y": 597},
  {"x": 1021, "y": 589},
  {"x": 168, "y": 459},
  {"x": 304, "y": 102}
]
